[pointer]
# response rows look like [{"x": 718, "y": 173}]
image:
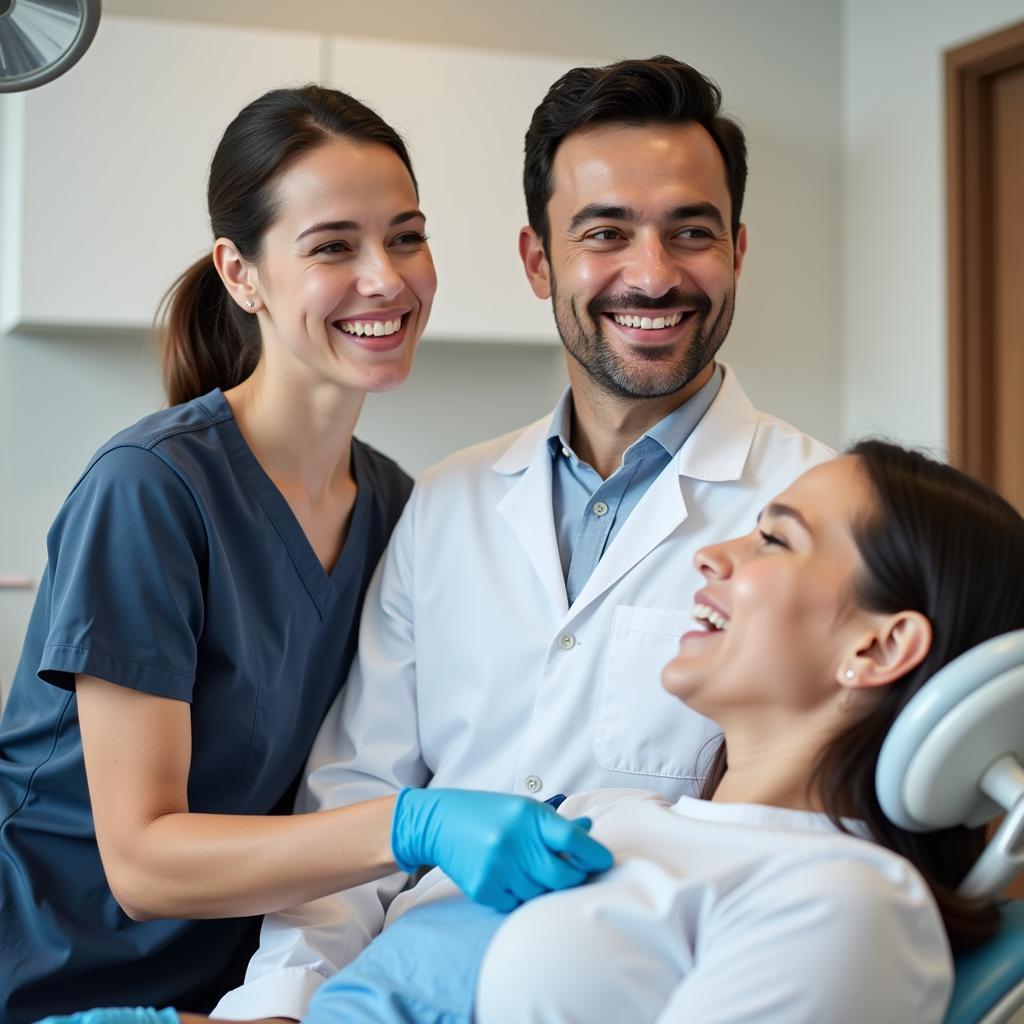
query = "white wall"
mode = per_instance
[
  {"x": 894, "y": 211},
  {"x": 778, "y": 64}
]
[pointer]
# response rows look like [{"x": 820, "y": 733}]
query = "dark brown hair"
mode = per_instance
[
  {"x": 942, "y": 544},
  {"x": 631, "y": 92},
  {"x": 207, "y": 340}
]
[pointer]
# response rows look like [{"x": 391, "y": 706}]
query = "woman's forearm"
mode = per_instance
[
  {"x": 198, "y": 1018},
  {"x": 220, "y": 865}
]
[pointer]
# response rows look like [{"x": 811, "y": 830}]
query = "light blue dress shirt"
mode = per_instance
[{"x": 589, "y": 511}]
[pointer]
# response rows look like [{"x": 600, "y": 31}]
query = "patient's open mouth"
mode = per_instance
[{"x": 713, "y": 621}]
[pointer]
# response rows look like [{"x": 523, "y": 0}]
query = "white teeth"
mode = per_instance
[
  {"x": 702, "y": 613},
  {"x": 645, "y": 323},
  {"x": 376, "y": 328}
]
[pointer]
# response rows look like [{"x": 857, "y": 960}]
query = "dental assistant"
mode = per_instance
[{"x": 198, "y": 612}]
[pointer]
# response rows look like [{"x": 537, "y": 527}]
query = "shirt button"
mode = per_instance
[
  {"x": 567, "y": 641},
  {"x": 565, "y": 451},
  {"x": 534, "y": 784},
  {"x": 600, "y": 508}
]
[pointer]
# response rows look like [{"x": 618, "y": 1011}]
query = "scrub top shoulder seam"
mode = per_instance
[{"x": 163, "y": 459}]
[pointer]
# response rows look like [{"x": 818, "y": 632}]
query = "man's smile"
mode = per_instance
[{"x": 650, "y": 327}]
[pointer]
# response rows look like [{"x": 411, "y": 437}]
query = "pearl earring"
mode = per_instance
[{"x": 850, "y": 673}]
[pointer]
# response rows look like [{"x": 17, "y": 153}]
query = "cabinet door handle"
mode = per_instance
[{"x": 15, "y": 582}]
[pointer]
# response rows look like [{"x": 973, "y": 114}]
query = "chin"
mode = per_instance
[
  {"x": 380, "y": 383},
  {"x": 679, "y": 683}
]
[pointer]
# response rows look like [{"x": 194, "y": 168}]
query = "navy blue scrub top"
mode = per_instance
[{"x": 177, "y": 568}]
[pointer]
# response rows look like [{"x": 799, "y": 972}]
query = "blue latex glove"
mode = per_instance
[
  {"x": 118, "y": 1015},
  {"x": 500, "y": 850}
]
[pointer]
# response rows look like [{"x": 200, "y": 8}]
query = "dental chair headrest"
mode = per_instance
[{"x": 954, "y": 756}]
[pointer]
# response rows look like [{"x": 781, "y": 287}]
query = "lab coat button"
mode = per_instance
[
  {"x": 534, "y": 784},
  {"x": 600, "y": 508},
  {"x": 565, "y": 451},
  {"x": 567, "y": 641}
]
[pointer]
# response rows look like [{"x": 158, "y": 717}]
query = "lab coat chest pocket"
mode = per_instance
[{"x": 641, "y": 729}]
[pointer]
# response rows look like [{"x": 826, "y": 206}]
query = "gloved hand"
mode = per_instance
[
  {"x": 118, "y": 1015},
  {"x": 500, "y": 850}
]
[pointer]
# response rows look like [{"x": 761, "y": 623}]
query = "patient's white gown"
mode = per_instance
[{"x": 714, "y": 914}]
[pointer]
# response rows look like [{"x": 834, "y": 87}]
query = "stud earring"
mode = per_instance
[
  {"x": 850, "y": 673},
  {"x": 250, "y": 303}
]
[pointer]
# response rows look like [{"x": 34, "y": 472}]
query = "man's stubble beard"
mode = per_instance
[{"x": 613, "y": 375}]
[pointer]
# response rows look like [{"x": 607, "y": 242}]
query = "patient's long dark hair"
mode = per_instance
[{"x": 942, "y": 544}]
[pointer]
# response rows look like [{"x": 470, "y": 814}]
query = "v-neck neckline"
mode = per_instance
[{"x": 323, "y": 586}]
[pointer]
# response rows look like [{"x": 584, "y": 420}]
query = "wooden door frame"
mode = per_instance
[{"x": 971, "y": 369}]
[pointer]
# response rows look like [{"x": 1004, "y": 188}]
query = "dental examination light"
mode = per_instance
[{"x": 41, "y": 39}]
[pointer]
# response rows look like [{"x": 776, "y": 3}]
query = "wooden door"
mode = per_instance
[
  {"x": 985, "y": 183},
  {"x": 985, "y": 152}
]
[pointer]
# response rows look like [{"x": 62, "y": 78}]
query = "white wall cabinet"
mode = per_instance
[
  {"x": 463, "y": 114},
  {"x": 105, "y": 169},
  {"x": 104, "y": 197}
]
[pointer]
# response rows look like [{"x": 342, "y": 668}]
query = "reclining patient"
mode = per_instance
[{"x": 782, "y": 894}]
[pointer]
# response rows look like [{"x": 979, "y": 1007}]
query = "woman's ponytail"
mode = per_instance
[{"x": 207, "y": 341}]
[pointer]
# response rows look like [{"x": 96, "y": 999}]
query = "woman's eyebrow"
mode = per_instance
[
  {"x": 777, "y": 508},
  {"x": 328, "y": 225},
  {"x": 351, "y": 225}
]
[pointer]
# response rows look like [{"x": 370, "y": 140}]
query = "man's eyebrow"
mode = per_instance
[
  {"x": 351, "y": 225},
  {"x": 706, "y": 210},
  {"x": 776, "y": 508},
  {"x": 598, "y": 211}
]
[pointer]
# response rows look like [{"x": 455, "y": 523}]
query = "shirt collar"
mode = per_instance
[
  {"x": 670, "y": 432},
  {"x": 561, "y": 420}
]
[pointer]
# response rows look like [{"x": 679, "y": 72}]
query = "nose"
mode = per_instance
[
  {"x": 716, "y": 561},
  {"x": 377, "y": 277},
  {"x": 650, "y": 267}
]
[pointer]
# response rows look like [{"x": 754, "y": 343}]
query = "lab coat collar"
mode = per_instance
[
  {"x": 527, "y": 508},
  {"x": 716, "y": 450},
  {"x": 528, "y": 444}
]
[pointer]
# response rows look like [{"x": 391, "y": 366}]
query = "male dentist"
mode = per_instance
[{"x": 514, "y": 634}]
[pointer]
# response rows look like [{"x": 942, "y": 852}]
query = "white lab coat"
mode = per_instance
[{"x": 474, "y": 672}]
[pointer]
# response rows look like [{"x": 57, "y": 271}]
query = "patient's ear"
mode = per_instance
[{"x": 896, "y": 645}]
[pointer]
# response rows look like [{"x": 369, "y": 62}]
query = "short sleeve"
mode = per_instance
[{"x": 124, "y": 578}]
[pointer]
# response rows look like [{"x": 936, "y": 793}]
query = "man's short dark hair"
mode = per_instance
[{"x": 630, "y": 92}]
